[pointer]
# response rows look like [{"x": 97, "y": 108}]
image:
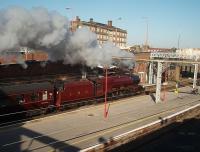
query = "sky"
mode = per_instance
[{"x": 169, "y": 21}]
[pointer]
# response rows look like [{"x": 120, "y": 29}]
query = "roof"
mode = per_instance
[
  {"x": 159, "y": 49},
  {"x": 105, "y": 26},
  {"x": 23, "y": 88}
]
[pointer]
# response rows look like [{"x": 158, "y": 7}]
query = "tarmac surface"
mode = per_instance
[{"x": 85, "y": 127}]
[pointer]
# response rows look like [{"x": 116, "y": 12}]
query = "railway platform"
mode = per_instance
[{"x": 81, "y": 129}]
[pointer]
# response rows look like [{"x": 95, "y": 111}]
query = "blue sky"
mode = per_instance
[{"x": 167, "y": 18}]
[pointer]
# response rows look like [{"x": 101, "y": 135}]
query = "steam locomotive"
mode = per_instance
[{"x": 49, "y": 95}]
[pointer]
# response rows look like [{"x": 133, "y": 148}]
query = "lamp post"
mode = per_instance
[
  {"x": 71, "y": 19},
  {"x": 69, "y": 9},
  {"x": 70, "y": 26},
  {"x": 179, "y": 36},
  {"x": 106, "y": 90},
  {"x": 118, "y": 19},
  {"x": 147, "y": 31}
]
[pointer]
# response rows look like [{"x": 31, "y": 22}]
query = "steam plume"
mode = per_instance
[{"x": 39, "y": 28}]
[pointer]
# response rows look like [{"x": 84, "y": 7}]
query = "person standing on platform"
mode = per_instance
[{"x": 176, "y": 89}]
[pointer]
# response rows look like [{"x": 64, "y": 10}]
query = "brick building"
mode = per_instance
[
  {"x": 104, "y": 32},
  {"x": 141, "y": 68},
  {"x": 188, "y": 69},
  {"x": 23, "y": 54}
]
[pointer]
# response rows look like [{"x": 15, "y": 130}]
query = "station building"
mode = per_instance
[{"x": 187, "y": 70}]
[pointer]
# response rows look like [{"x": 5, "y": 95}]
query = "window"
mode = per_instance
[
  {"x": 20, "y": 99},
  {"x": 50, "y": 95},
  {"x": 34, "y": 97},
  {"x": 44, "y": 96}
]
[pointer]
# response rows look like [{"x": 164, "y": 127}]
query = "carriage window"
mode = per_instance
[
  {"x": 20, "y": 99},
  {"x": 44, "y": 96},
  {"x": 50, "y": 95}
]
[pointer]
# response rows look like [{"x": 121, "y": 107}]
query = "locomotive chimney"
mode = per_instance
[
  {"x": 91, "y": 20},
  {"x": 84, "y": 74}
]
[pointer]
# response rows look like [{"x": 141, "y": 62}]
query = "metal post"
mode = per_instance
[
  {"x": 195, "y": 76},
  {"x": 177, "y": 73},
  {"x": 179, "y": 36},
  {"x": 106, "y": 88},
  {"x": 151, "y": 73},
  {"x": 158, "y": 82},
  {"x": 116, "y": 37},
  {"x": 147, "y": 32}
]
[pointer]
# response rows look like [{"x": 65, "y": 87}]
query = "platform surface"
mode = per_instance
[{"x": 85, "y": 127}]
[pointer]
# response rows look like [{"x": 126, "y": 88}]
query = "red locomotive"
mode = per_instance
[{"x": 46, "y": 95}]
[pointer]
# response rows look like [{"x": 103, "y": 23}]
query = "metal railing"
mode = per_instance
[{"x": 172, "y": 55}]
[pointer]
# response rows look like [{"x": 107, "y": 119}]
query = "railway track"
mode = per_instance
[{"x": 42, "y": 112}]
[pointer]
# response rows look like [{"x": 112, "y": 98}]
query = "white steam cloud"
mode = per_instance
[{"x": 39, "y": 28}]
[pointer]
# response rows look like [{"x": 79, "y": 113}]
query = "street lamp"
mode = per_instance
[
  {"x": 179, "y": 36},
  {"x": 147, "y": 31},
  {"x": 69, "y": 9},
  {"x": 118, "y": 19},
  {"x": 106, "y": 90},
  {"x": 70, "y": 20}
]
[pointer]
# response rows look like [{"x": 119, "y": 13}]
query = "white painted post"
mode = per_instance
[
  {"x": 195, "y": 76},
  {"x": 158, "y": 82},
  {"x": 151, "y": 73}
]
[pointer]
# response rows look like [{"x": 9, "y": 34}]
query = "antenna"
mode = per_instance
[
  {"x": 147, "y": 31},
  {"x": 179, "y": 36}
]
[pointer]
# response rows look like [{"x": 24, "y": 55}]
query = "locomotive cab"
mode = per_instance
[{"x": 135, "y": 79}]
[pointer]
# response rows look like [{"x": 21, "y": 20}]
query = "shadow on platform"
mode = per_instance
[
  {"x": 176, "y": 137},
  {"x": 13, "y": 142},
  {"x": 153, "y": 97}
]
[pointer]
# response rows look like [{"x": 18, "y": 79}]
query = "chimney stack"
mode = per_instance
[
  {"x": 110, "y": 23},
  {"x": 91, "y": 19},
  {"x": 78, "y": 19}
]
